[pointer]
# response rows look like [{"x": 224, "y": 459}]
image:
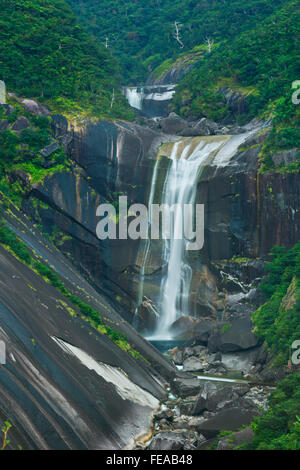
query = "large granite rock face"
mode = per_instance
[
  {"x": 109, "y": 160},
  {"x": 246, "y": 213},
  {"x": 65, "y": 385}
]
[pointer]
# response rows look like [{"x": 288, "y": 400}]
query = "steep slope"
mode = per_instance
[{"x": 68, "y": 383}]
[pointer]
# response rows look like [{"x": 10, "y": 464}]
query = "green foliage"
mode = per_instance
[
  {"x": 279, "y": 427},
  {"x": 261, "y": 63},
  {"x": 5, "y": 428},
  {"x": 44, "y": 53},
  {"x": 141, "y": 33},
  {"x": 278, "y": 320},
  {"x": 8, "y": 238}
]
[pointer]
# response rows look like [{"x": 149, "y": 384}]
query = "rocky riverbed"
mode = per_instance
[{"x": 205, "y": 399}]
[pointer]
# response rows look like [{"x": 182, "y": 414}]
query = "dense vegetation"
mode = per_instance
[
  {"x": 44, "y": 53},
  {"x": 20, "y": 151},
  {"x": 141, "y": 32},
  {"x": 261, "y": 63},
  {"x": 254, "y": 50},
  {"x": 279, "y": 427},
  {"x": 278, "y": 320}
]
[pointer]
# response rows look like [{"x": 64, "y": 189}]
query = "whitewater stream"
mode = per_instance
[{"x": 188, "y": 157}]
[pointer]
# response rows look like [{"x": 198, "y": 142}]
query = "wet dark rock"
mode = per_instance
[
  {"x": 230, "y": 419},
  {"x": 236, "y": 337},
  {"x": 187, "y": 327},
  {"x": 185, "y": 386},
  {"x": 59, "y": 125},
  {"x": 200, "y": 404}
]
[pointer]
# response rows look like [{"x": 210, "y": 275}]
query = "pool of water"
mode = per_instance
[{"x": 164, "y": 345}]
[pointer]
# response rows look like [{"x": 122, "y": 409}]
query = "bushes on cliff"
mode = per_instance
[
  {"x": 278, "y": 320},
  {"x": 279, "y": 427}
]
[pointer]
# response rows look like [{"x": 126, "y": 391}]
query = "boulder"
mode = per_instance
[
  {"x": 200, "y": 404},
  {"x": 49, "y": 149},
  {"x": 236, "y": 439},
  {"x": 206, "y": 127},
  {"x": 173, "y": 124},
  {"x": 230, "y": 419},
  {"x": 185, "y": 386},
  {"x": 33, "y": 107},
  {"x": 187, "y": 327},
  {"x": 167, "y": 441},
  {"x": 164, "y": 414},
  {"x": 237, "y": 336},
  {"x": 21, "y": 123},
  {"x": 193, "y": 364}
]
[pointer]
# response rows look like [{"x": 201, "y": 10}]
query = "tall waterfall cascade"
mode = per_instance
[{"x": 188, "y": 157}]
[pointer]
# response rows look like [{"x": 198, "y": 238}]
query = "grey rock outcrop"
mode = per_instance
[
  {"x": 236, "y": 336},
  {"x": 230, "y": 419}
]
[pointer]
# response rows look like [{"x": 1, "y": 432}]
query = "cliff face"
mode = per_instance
[
  {"x": 65, "y": 385},
  {"x": 246, "y": 213},
  {"x": 109, "y": 159}
]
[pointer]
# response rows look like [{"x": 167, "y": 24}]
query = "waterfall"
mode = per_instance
[
  {"x": 180, "y": 188},
  {"x": 188, "y": 158},
  {"x": 135, "y": 97}
]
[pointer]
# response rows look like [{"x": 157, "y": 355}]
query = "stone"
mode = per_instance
[
  {"x": 2, "y": 92},
  {"x": 21, "y": 123},
  {"x": 49, "y": 149},
  {"x": 236, "y": 439},
  {"x": 31, "y": 106},
  {"x": 147, "y": 316},
  {"x": 230, "y": 419},
  {"x": 187, "y": 327},
  {"x": 237, "y": 336},
  {"x": 193, "y": 364},
  {"x": 173, "y": 124},
  {"x": 167, "y": 441},
  {"x": 185, "y": 386},
  {"x": 200, "y": 404},
  {"x": 206, "y": 127},
  {"x": 164, "y": 414}
]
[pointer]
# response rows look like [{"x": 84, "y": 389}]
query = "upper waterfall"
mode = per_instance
[
  {"x": 151, "y": 101},
  {"x": 188, "y": 157}
]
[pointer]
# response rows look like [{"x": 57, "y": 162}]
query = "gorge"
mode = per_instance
[{"x": 179, "y": 341}]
